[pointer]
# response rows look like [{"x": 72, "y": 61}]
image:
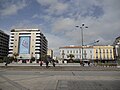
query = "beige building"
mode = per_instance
[
  {"x": 50, "y": 53},
  {"x": 27, "y": 43},
  {"x": 103, "y": 53}
]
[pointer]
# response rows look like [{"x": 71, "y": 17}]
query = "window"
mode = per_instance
[
  {"x": 90, "y": 51},
  {"x": 76, "y": 51},
  {"x": 71, "y": 51},
  {"x": 96, "y": 51},
  {"x": 90, "y": 56},
  {"x": 79, "y": 51},
  {"x": 103, "y": 51},
  {"x": 24, "y": 33},
  {"x": 107, "y": 50},
  {"x": 110, "y": 51},
  {"x": 67, "y": 51}
]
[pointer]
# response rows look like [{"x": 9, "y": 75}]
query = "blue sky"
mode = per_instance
[{"x": 57, "y": 19}]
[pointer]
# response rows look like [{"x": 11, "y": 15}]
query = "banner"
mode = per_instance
[{"x": 24, "y": 45}]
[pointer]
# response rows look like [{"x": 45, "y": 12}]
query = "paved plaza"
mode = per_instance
[{"x": 59, "y": 80}]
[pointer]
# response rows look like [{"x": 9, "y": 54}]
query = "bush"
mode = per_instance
[
  {"x": 1, "y": 61},
  {"x": 76, "y": 61}
]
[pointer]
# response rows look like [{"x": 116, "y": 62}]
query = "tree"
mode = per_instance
[
  {"x": 6, "y": 60},
  {"x": 43, "y": 57},
  {"x": 32, "y": 59},
  {"x": 71, "y": 56},
  {"x": 11, "y": 58},
  {"x": 15, "y": 56}
]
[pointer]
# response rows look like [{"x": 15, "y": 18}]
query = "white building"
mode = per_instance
[
  {"x": 77, "y": 52},
  {"x": 92, "y": 53},
  {"x": 27, "y": 43}
]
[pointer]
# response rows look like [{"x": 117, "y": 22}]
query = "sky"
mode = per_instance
[{"x": 57, "y": 20}]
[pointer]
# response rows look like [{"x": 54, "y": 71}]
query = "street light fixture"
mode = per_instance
[
  {"x": 82, "y": 28},
  {"x": 93, "y": 43}
]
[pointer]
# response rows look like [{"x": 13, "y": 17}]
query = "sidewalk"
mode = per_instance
[{"x": 59, "y": 67}]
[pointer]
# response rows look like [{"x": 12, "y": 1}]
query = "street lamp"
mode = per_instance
[
  {"x": 82, "y": 28},
  {"x": 93, "y": 43}
]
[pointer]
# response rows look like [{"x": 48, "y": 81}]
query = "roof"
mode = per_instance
[
  {"x": 22, "y": 29},
  {"x": 76, "y": 47}
]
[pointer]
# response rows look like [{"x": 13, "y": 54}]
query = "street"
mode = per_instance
[{"x": 59, "y": 80}]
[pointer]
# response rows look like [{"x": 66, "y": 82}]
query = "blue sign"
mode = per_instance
[{"x": 24, "y": 45}]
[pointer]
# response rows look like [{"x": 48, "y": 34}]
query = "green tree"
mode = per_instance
[
  {"x": 71, "y": 56},
  {"x": 15, "y": 56},
  {"x": 6, "y": 60},
  {"x": 32, "y": 59},
  {"x": 11, "y": 58},
  {"x": 43, "y": 57}
]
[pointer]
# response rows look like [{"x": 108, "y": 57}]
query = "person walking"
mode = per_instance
[
  {"x": 53, "y": 63},
  {"x": 47, "y": 64},
  {"x": 41, "y": 63}
]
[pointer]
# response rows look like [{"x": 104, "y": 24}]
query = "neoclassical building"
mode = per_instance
[
  {"x": 92, "y": 53},
  {"x": 103, "y": 53},
  {"x": 77, "y": 51}
]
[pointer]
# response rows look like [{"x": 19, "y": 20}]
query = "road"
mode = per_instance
[{"x": 59, "y": 80}]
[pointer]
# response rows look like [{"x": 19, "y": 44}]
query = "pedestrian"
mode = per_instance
[
  {"x": 47, "y": 63},
  {"x": 41, "y": 63},
  {"x": 6, "y": 64},
  {"x": 53, "y": 63},
  {"x": 88, "y": 63}
]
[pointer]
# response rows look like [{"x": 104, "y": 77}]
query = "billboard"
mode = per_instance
[{"x": 24, "y": 44}]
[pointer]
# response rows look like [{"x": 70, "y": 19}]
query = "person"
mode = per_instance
[
  {"x": 41, "y": 63},
  {"x": 53, "y": 63},
  {"x": 6, "y": 64},
  {"x": 47, "y": 63},
  {"x": 88, "y": 63}
]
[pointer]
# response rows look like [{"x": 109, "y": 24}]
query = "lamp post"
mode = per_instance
[
  {"x": 93, "y": 43},
  {"x": 82, "y": 28}
]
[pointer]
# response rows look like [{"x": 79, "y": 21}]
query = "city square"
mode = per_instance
[
  {"x": 59, "y": 45},
  {"x": 59, "y": 78}
]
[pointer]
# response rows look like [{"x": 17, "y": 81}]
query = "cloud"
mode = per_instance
[
  {"x": 46, "y": 2},
  {"x": 63, "y": 24},
  {"x": 54, "y": 7},
  {"x": 12, "y": 8},
  {"x": 58, "y": 19},
  {"x": 54, "y": 41},
  {"x": 26, "y": 24}
]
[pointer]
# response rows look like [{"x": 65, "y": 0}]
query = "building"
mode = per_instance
[
  {"x": 4, "y": 44},
  {"x": 91, "y": 53},
  {"x": 77, "y": 52},
  {"x": 116, "y": 45},
  {"x": 27, "y": 43},
  {"x": 50, "y": 53},
  {"x": 103, "y": 53}
]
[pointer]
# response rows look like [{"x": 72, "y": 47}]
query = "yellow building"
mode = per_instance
[{"x": 103, "y": 53}]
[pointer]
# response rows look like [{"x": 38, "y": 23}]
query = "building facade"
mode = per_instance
[
  {"x": 117, "y": 47},
  {"x": 50, "y": 53},
  {"x": 91, "y": 53},
  {"x": 77, "y": 52},
  {"x": 103, "y": 53},
  {"x": 4, "y": 44},
  {"x": 27, "y": 43}
]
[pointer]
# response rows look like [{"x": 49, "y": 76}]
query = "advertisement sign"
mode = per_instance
[{"x": 24, "y": 45}]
